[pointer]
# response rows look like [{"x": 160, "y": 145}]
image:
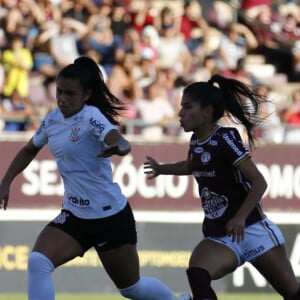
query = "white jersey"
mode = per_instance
[{"x": 90, "y": 192}]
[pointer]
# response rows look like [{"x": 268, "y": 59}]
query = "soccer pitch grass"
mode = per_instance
[{"x": 118, "y": 297}]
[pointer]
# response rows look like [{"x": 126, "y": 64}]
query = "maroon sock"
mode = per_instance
[
  {"x": 199, "y": 280},
  {"x": 297, "y": 296}
]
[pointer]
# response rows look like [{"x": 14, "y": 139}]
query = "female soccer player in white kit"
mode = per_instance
[{"x": 82, "y": 135}]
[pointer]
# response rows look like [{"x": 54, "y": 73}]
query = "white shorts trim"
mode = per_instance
[{"x": 259, "y": 238}]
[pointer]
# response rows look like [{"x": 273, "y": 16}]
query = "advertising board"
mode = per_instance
[{"x": 40, "y": 184}]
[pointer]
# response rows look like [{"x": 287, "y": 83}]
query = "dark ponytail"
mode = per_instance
[
  {"x": 231, "y": 96},
  {"x": 90, "y": 76},
  {"x": 241, "y": 102}
]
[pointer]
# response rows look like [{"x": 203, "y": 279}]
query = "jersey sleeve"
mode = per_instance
[
  {"x": 40, "y": 137},
  {"x": 98, "y": 125},
  {"x": 235, "y": 150}
]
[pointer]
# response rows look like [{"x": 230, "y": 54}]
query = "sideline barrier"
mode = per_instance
[{"x": 40, "y": 185}]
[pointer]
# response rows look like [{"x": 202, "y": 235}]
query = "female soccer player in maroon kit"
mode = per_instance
[{"x": 235, "y": 227}]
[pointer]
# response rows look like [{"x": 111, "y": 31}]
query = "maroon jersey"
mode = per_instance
[{"x": 222, "y": 188}]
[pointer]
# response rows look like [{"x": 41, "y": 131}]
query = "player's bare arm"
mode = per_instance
[
  {"x": 235, "y": 227},
  {"x": 152, "y": 168},
  {"x": 117, "y": 145},
  {"x": 19, "y": 163}
]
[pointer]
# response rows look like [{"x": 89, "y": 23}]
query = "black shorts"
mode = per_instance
[{"x": 102, "y": 234}]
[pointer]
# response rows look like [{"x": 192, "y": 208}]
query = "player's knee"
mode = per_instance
[{"x": 38, "y": 262}]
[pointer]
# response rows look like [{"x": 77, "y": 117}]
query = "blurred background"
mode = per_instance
[{"x": 148, "y": 51}]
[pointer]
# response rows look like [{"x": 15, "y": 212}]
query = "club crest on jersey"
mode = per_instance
[
  {"x": 74, "y": 137},
  {"x": 61, "y": 218},
  {"x": 205, "y": 157}
]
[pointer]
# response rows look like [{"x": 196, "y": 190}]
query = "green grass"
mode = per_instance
[{"x": 118, "y": 297}]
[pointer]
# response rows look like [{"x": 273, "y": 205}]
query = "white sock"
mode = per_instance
[
  {"x": 40, "y": 285},
  {"x": 148, "y": 288}
]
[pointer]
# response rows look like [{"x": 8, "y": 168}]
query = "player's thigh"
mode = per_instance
[
  {"x": 215, "y": 257},
  {"x": 121, "y": 264},
  {"x": 275, "y": 266},
  {"x": 57, "y": 245}
]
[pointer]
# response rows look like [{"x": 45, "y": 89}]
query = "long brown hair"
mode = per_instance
[
  {"x": 231, "y": 96},
  {"x": 90, "y": 77}
]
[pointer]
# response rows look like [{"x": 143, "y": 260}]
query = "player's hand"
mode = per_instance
[
  {"x": 236, "y": 228},
  {"x": 109, "y": 151},
  {"x": 4, "y": 195},
  {"x": 151, "y": 167}
]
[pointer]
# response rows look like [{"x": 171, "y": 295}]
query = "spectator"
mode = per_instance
[
  {"x": 170, "y": 85},
  {"x": 239, "y": 73},
  {"x": 16, "y": 113},
  {"x": 18, "y": 62},
  {"x": 65, "y": 39},
  {"x": 289, "y": 36},
  {"x": 205, "y": 70},
  {"x": 97, "y": 58},
  {"x": 173, "y": 52},
  {"x": 272, "y": 129},
  {"x": 131, "y": 42},
  {"x": 123, "y": 84},
  {"x": 2, "y": 76},
  {"x": 266, "y": 24},
  {"x": 292, "y": 114},
  {"x": 192, "y": 25},
  {"x": 17, "y": 19},
  {"x": 49, "y": 12},
  {"x": 144, "y": 14},
  {"x": 79, "y": 10},
  {"x": 149, "y": 44},
  {"x": 120, "y": 19},
  {"x": 235, "y": 45},
  {"x": 252, "y": 8},
  {"x": 100, "y": 37},
  {"x": 165, "y": 18},
  {"x": 145, "y": 72},
  {"x": 296, "y": 60},
  {"x": 291, "y": 117},
  {"x": 154, "y": 112}
]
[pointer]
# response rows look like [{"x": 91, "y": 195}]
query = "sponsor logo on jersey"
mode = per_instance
[
  {"x": 209, "y": 174},
  {"x": 214, "y": 205},
  {"x": 98, "y": 125},
  {"x": 205, "y": 157},
  {"x": 230, "y": 142},
  {"x": 78, "y": 200},
  {"x": 74, "y": 137},
  {"x": 198, "y": 150}
]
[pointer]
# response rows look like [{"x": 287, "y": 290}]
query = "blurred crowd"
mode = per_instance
[{"x": 148, "y": 51}]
